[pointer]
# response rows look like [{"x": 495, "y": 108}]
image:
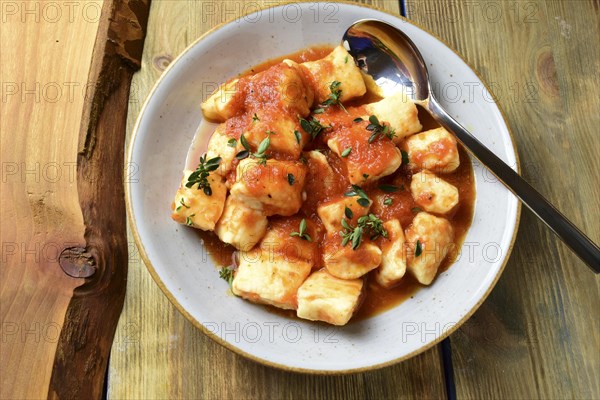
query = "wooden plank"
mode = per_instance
[
  {"x": 93, "y": 313},
  {"x": 158, "y": 354},
  {"x": 72, "y": 320},
  {"x": 538, "y": 335},
  {"x": 43, "y": 85}
]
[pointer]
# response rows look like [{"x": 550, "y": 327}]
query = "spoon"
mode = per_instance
[{"x": 395, "y": 63}]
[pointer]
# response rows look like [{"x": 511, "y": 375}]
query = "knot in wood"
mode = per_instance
[
  {"x": 77, "y": 262},
  {"x": 162, "y": 62}
]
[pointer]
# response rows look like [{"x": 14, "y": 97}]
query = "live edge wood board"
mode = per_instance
[{"x": 64, "y": 247}]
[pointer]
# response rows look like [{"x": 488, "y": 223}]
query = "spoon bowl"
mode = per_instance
[{"x": 396, "y": 64}]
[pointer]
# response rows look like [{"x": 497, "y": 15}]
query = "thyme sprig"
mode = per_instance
[
  {"x": 200, "y": 175},
  {"x": 335, "y": 96},
  {"x": 369, "y": 224},
  {"x": 379, "y": 130},
  {"x": 302, "y": 231}
]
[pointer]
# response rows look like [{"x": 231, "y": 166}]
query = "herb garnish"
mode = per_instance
[
  {"x": 348, "y": 213},
  {"x": 255, "y": 118},
  {"x": 312, "y": 127},
  {"x": 366, "y": 224},
  {"x": 418, "y": 249},
  {"x": 226, "y": 273},
  {"x": 379, "y": 130},
  {"x": 298, "y": 136},
  {"x": 200, "y": 175},
  {"x": 359, "y": 119},
  {"x": 291, "y": 179},
  {"x": 181, "y": 201},
  {"x": 334, "y": 96},
  {"x": 388, "y": 201},
  {"x": 260, "y": 152},
  {"x": 389, "y": 188},
  {"x": 302, "y": 231},
  {"x": 346, "y": 151},
  {"x": 188, "y": 220},
  {"x": 357, "y": 191},
  {"x": 415, "y": 210},
  {"x": 405, "y": 159}
]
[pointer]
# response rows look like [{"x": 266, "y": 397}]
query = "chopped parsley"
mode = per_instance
[
  {"x": 415, "y": 210},
  {"x": 255, "y": 118},
  {"x": 346, "y": 151},
  {"x": 298, "y": 136},
  {"x": 232, "y": 142},
  {"x": 388, "y": 201},
  {"x": 200, "y": 175},
  {"x": 359, "y": 119},
  {"x": 378, "y": 130},
  {"x": 291, "y": 179},
  {"x": 302, "y": 231},
  {"x": 368, "y": 224}
]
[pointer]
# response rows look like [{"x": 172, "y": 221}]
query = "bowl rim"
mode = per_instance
[{"x": 229, "y": 346}]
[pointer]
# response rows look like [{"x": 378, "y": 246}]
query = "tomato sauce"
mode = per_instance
[{"x": 387, "y": 204}]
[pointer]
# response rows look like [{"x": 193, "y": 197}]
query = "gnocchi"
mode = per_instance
[{"x": 318, "y": 182}]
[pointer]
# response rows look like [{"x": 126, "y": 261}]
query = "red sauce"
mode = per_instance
[{"x": 374, "y": 156}]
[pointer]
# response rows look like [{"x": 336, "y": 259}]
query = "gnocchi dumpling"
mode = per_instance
[
  {"x": 332, "y": 213},
  {"x": 269, "y": 278},
  {"x": 220, "y": 145},
  {"x": 399, "y": 112},
  {"x": 348, "y": 263},
  {"x": 393, "y": 260},
  {"x": 277, "y": 185},
  {"x": 429, "y": 239},
  {"x": 323, "y": 297},
  {"x": 284, "y": 132},
  {"x": 432, "y": 193},
  {"x": 242, "y": 224},
  {"x": 337, "y": 66},
  {"x": 195, "y": 208},
  {"x": 283, "y": 86},
  {"x": 434, "y": 150},
  {"x": 221, "y": 104},
  {"x": 365, "y": 162}
]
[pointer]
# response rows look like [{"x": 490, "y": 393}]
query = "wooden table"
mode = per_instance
[{"x": 536, "y": 336}]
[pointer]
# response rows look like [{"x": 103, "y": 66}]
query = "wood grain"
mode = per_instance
[
  {"x": 42, "y": 100},
  {"x": 91, "y": 318},
  {"x": 158, "y": 354},
  {"x": 63, "y": 203},
  {"x": 538, "y": 335}
]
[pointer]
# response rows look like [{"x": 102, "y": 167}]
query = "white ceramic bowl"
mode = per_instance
[{"x": 180, "y": 264}]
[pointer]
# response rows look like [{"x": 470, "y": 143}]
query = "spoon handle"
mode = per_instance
[{"x": 560, "y": 225}]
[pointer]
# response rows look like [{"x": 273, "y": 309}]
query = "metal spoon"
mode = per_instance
[{"x": 395, "y": 63}]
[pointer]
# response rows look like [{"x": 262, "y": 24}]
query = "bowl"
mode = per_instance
[{"x": 180, "y": 265}]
